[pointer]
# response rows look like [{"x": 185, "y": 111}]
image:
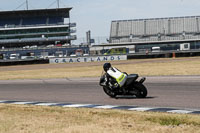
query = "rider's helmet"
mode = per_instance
[{"x": 106, "y": 66}]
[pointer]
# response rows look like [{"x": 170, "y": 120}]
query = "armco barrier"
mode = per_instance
[
  {"x": 164, "y": 55},
  {"x": 23, "y": 62}
]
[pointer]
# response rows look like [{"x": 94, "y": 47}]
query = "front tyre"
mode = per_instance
[
  {"x": 141, "y": 90},
  {"x": 109, "y": 92}
]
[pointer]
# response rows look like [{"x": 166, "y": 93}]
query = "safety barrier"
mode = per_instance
[{"x": 99, "y": 58}]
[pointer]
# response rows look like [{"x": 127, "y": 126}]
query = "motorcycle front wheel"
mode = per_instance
[
  {"x": 141, "y": 90},
  {"x": 109, "y": 92}
]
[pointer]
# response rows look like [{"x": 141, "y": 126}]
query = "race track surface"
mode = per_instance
[{"x": 166, "y": 91}]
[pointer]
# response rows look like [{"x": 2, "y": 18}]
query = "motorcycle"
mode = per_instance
[{"x": 132, "y": 86}]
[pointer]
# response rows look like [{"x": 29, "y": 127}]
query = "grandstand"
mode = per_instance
[
  {"x": 36, "y": 27},
  {"x": 155, "y": 29}
]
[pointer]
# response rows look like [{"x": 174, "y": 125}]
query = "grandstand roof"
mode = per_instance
[{"x": 59, "y": 12}]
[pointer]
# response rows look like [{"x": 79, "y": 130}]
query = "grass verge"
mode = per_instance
[
  {"x": 39, "y": 119},
  {"x": 150, "y": 67}
]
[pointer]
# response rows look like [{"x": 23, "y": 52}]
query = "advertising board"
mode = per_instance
[{"x": 87, "y": 59}]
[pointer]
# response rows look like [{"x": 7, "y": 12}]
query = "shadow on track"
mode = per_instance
[{"x": 133, "y": 97}]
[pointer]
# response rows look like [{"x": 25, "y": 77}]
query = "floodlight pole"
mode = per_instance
[
  {"x": 58, "y": 2},
  {"x": 27, "y": 4}
]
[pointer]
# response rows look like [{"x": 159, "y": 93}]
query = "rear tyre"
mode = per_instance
[
  {"x": 141, "y": 90},
  {"x": 109, "y": 92}
]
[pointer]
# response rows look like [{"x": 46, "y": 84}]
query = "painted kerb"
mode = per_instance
[{"x": 87, "y": 59}]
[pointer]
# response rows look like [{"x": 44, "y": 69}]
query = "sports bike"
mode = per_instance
[{"x": 133, "y": 86}]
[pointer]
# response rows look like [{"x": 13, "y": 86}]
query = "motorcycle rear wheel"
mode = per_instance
[
  {"x": 109, "y": 92},
  {"x": 141, "y": 90}
]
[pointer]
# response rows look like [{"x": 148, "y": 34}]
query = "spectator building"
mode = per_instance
[
  {"x": 36, "y": 27},
  {"x": 166, "y": 33},
  {"x": 37, "y": 33}
]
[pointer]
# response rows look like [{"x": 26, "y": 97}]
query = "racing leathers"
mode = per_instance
[{"x": 115, "y": 78}]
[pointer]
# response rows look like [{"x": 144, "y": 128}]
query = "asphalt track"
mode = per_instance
[{"x": 166, "y": 91}]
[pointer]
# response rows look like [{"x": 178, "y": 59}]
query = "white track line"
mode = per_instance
[
  {"x": 2, "y": 101},
  {"x": 21, "y": 103},
  {"x": 140, "y": 109},
  {"x": 46, "y": 104},
  {"x": 76, "y": 105},
  {"x": 105, "y": 107}
]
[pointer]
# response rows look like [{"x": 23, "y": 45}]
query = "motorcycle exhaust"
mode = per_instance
[{"x": 142, "y": 80}]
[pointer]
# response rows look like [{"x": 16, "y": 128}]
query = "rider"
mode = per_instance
[{"x": 115, "y": 78}]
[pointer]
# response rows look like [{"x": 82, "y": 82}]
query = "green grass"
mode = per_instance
[{"x": 173, "y": 120}]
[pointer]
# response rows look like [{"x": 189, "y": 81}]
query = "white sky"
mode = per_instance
[{"x": 96, "y": 15}]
